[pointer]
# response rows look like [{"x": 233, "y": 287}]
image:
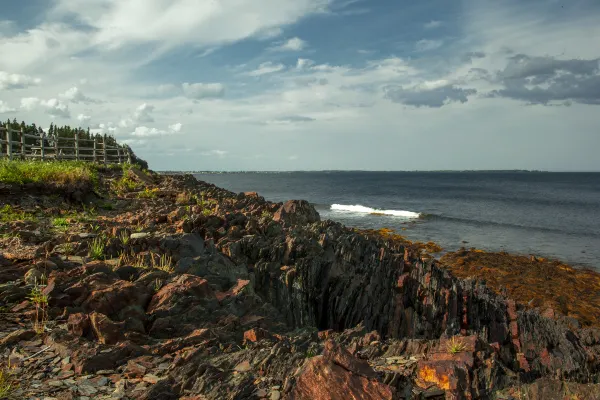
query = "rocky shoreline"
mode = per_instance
[{"x": 174, "y": 288}]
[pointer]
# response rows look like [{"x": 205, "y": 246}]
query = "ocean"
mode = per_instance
[{"x": 555, "y": 215}]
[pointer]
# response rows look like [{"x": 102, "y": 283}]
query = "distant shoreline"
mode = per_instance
[{"x": 167, "y": 172}]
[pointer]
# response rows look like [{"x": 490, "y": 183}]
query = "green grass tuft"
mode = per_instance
[
  {"x": 55, "y": 172},
  {"x": 96, "y": 251},
  {"x": 60, "y": 222},
  {"x": 9, "y": 214}
]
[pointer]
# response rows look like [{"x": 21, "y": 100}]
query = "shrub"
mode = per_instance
[
  {"x": 56, "y": 172},
  {"x": 455, "y": 346}
]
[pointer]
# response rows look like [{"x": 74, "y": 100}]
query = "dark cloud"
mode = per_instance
[
  {"x": 472, "y": 55},
  {"x": 296, "y": 118},
  {"x": 435, "y": 98},
  {"x": 541, "y": 80}
]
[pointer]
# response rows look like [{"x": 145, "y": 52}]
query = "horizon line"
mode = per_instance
[{"x": 368, "y": 170}]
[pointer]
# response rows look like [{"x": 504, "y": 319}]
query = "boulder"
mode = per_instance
[{"x": 296, "y": 212}]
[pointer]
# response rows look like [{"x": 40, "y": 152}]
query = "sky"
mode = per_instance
[{"x": 314, "y": 84}]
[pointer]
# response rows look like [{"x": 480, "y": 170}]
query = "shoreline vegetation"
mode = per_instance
[{"x": 124, "y": 283}]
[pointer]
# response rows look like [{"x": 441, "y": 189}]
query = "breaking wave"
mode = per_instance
[{"x": 367, "y": 210}]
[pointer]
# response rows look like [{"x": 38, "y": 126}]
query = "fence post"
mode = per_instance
[
  {"x": 76, "y": 146},
  {"x": 22, "y": 144},
  {"x": 104, "y": 148},
  {"x": 42, "y": 140},
  {"x": 56, "y": 155},
  {"x": 95, "y": 144},
  {"x": 8, "y": 143}
]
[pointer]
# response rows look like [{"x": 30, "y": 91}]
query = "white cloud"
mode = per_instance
[
  {"x": 84, "y": 119},
  {"x": 144, "y": 131},
  {"x": 293, "y": 44},
  {"x": 203, "y": 90},
  {"x": 175, "y": 128},
  {"x": 29, "y": 103},
  {"x": 5, "y": 108},
  {"x": 56, "y": 108},
  {"x": 432, "y": 24},
  {"x": 304, "y": 62},
  {"x": 75, "y": 95},
  {"x": 217, "y": 153},
  {"x": 16, "y": 81},
  {"x": 266, "y": 68},
  {"x": 427, "y": 44},
  {"x": 142, "y": 114},
  {"x": 119, "y": 23}
]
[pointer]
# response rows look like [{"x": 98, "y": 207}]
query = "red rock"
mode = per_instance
[
  {"x": 112, "y": 299},
  {"x": 107, "y": 331},
  {"x": 134, "y": 370},
  {"x": 297, "y": 212},
  {"x": 256, "y": 334},
  {"x": 321, "y": 379},
  {"x": 343, "y": 358},
  {"x": 187, "y": 285},
  {"x": 326, "y": 334},
  {"x": 79, "y": 324}
]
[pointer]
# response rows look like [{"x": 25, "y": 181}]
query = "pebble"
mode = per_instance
[
  {"x": 275, "y": 395},
  {"x": 150, "y": 378}
]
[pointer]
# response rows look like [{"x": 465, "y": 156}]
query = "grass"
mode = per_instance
[
  {"x": 124, "y": 238},
  {"x": 60, "y": 222},
  {"x": 6, "y": 384},
  {"x": 148, "y": 193},
  {"x": 125, "y": 185},
  {"x": 163, "y": 263},
  {"x": 455, "y": 346},
  {"x": 9, "y": 214},
  {"x": 40, "y": 300},
  {"x": 55, "y": 172},
  {"x": 96, "y": 251},
  {"x": 68, "y": 249}
]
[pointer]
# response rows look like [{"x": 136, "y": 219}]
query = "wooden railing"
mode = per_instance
[{"x": 13, "y": 145}]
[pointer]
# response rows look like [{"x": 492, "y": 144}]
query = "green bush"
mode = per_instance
[{"x": 57, "y": 172}]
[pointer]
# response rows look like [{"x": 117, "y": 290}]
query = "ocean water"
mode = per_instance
[{"x": 554, "y": 215}]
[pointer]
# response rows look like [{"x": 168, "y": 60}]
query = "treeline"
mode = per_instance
[{"x": 63, "y": 135}]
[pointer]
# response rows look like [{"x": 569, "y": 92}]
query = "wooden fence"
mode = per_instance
[{"x": 13, "y": 145}]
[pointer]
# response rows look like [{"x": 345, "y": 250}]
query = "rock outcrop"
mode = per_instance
[{"x": 225, "y": 295}]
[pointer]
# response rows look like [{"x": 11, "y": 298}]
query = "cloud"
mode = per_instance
[
  {"x": 144, "y": 131},
  {"x": 428, "y": 45},
  {"x": 29, "y": 103},
  {"x": 541, "y": 80},
  {"x": 119, "y": 23},
  {"x": 175, "y": 128},
  {"x": 5, "y": 108},
  {"x": 17, "y": 81},
  {"x": 214, "y": 153},
  {"x": 304, "y": 63},
  {"x": 432, "y": 24},
  {"x": 434, "y": 95},
  {"x": 293, "y": 44},
  {"x": 291, "y": 119},
  {"x": 203, "y": 90},
  {"x": 472, "y": 55},
  {"x": 56, "y": 108},
  {"x": 143, "y": 113},
  {"x": 75, "y": 95},
  {"x": 84, "y": 119},
  {"x": 266, "y": 68}
]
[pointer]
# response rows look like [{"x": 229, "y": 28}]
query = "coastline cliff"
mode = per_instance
[{"x": 144, "y": 286}]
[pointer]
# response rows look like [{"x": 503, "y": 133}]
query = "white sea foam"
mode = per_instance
[{"x": 367, "y": 210}]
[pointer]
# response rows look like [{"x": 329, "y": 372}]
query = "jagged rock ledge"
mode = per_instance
[{"x": 222, "y": 295}]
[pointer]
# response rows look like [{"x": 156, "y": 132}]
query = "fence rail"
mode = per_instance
[{"x": 13, "y": 146}]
